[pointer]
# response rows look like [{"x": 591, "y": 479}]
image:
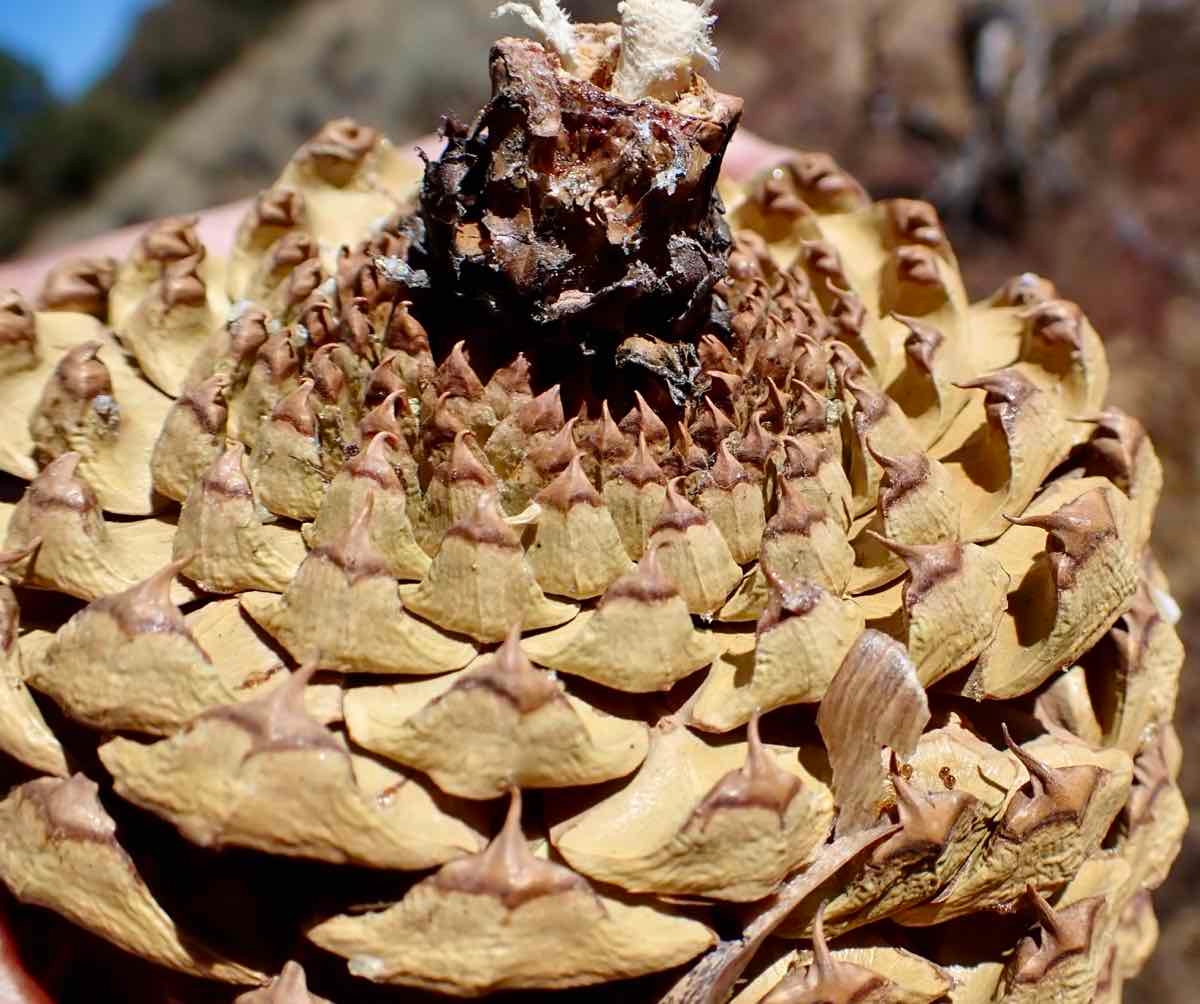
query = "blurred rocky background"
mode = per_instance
[{"x": 1060, "y": 136}]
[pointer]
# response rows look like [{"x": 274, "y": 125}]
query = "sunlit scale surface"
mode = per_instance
[{"x": 338, "y": 632}]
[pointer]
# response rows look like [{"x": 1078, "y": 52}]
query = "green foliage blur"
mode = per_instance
[{"x": 55, "y": 154}]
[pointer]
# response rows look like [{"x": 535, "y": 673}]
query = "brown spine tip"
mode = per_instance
[
  {"x": 828, "y": 981},
  {"x": 750, "y": 307},
  {"x": 822, "y": 958},
  {"x": 1045, "y": 912},
  {"x": 279, "y": 722},
  {"x": 385, "y": 417},
  {"x": 79, "y": 284},
  {"x": 822, "y": 258},
  {"x": 927, "y": 818},
  {"x": 289, "y": 251},
  {"x": 81, "y": 373},
  {"x": 757, "y": 445},
  {"x": 727, "y": 473},
  {"x": 297, "y": 410},
  {"x": 336, "y": 152},
  {"x": 713, "y": 426},
  {"x": 356, "y": 329},
  {"x": 404, "y": 332},
  {"x": 513, "y": 379},
  {"x": 248, "y": 332},
  {"x": 289, "y": 987},
  {"x": 456, "y": 377},
  {"x": 147, "y": 608},
  {"x": 513, "y": 677},
  {"x": 786, "y": 600},
  {"x": 642, "y": 419},
  {"x": 726, "y": 387},
  {"x": 678, "y": 513},
  {"x": 384, "y": 381},
  {"x": 642, "y": 469},
  {"x": 848, "y": 312},
  {"x": 928, "y": 564},
  {"x": 715, "y": 355},
  {"x": 918, "y": 265},
  {"x": 327, "y": 377},
  {"x": 1002, "y": 387},
  {"x": 485, "y": 524},
  {"x": 823, "y": 184},
  {"x": 302, "y": 282},
  {"x": 17, "y": 324},
  {"x": 1044, "y": 774},
  {"x": 1058, "y": 792},
  {"x": 207, "y": 403},
  {"x": 901, "y": 475},
  {"x": 686, "y": 456},
  {"x": 59, "y": 486},
  {"x": 359, "y": 276},
  {"x": 465, "y": 465},
  {"x": 1056, "y": 322},
  {"x": 1065, "y": 933},
  {"x": 778, "y": 198},
  {"x": 182, "y": 284},
  {"x": 802, "y": 458},
  {"x": 1116, "y": 441},
  {"x": 353, "y": 550},
  {"x": 1076, "y": 530},
  {"x": 647, "y": 583},
  {"x": 171, "y": 239},
  {"x": 774, "y": 356},
  {"x": 373, "y": 463},
  {"x": 759, "y": 783},
  {"x": 570, "y": 488},
  {"x": 277, "y": 358},
  {"x": 543, "y": 414},
  {"x": 922, "y": 343},
  {"x": 812, "y": 415},
  {"x": 870, "y": 403},
  {"x": 1074, "y": 525},
  {"x": 507, "y": 869},
  {"x": 795, "y": 513},
  {"x": 778, "y": 404},
  {"x": 227, "y": 477},
  {"x": 278, "y": 207},
  {"x": 551, "y": 457},
  {"x": 915, "y": 222},
  {"x": 612, "y": 445},
  {"x": 747, "y": 257}
]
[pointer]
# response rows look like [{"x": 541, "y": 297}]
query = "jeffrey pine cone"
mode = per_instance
[{"x": 565, "y": 569}]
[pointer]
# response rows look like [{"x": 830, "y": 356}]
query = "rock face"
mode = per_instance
[{"x": 775, "y": 592}]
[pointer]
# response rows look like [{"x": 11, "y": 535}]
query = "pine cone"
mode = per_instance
[{"x": 824, "y": 627}]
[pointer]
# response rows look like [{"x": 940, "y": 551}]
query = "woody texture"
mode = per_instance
[{"x": 556, "y": 567}]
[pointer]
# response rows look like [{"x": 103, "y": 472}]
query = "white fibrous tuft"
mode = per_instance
[
  {"x": 662, "y": 42},
  {"x": 1167, "y": 606},
  {"x": 367, "y": 966},
  {"x": 551, "y": 22},
  {"x": 237, "y": 309}
]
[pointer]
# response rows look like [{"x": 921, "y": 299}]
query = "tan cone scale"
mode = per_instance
[
  {"x": 532, "y": 573},
  {"x": 529, "y": 923},
  {"x": 518, "y": 723}
]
